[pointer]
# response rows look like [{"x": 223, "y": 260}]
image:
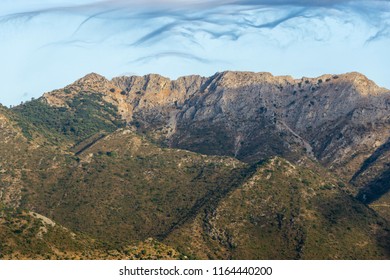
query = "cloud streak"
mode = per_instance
[
  {"x": 150, "y": 22},
  {"x": 170, "y": 54},
  {"x": 219, "y": 19},
  {"x": 212, "y": 33}
]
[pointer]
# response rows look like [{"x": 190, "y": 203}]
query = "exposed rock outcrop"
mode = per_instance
[{"x": 339, "y": 120}]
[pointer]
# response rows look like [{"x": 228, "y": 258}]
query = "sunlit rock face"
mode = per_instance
[{"x": 337, "y": 120}]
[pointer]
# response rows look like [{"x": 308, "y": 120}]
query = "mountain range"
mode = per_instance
[{"x": 238, "y": 165}]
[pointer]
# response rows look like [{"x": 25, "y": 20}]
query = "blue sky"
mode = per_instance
[{"x": 48, "y": 44}]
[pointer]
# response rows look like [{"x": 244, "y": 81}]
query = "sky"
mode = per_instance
[{"x": 45, "y": 45}]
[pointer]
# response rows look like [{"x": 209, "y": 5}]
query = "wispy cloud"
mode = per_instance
[
  {"x": 169, "y": 55},
  {"x": 225, "y": 19},
  {"x": 228, "y": 19},
  {"x": 212, "y": 33}
]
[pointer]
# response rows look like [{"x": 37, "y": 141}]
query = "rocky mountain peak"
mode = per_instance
[
  {"x": 237, "y": 79},
  {"x": 90, "y": 84},
  {"x": 364, "y": 85},
  {"x": 353, "y": 82},
  {"x": 91, "y": 79}
]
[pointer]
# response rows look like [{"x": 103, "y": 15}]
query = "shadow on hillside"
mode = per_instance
[
  {"x": 366, "y": 164},
  {"x": 375, "y": 189},
  {"x": 342, "y": 216}
]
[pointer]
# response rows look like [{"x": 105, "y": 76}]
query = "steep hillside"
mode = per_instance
[
  {"x": 79, "y": 116},
  {"x": 367, "y": 175},
  {"x": 123, "y": 188},
  {"x": 285, "y": 211},
  {"x": 26, "y": 152},
  {"x": 240, "y": 107},
  {"x": 374, "y": 175},
  {"x": 28, "y": 235},
  {"x": 339, "y": 120},
  {"x": 12, "y": 144}
]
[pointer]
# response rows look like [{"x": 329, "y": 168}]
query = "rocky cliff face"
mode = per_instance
[{"x": 339, "y": 120}]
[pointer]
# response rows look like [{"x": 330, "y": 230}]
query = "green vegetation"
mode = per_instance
[
  {"x": 26, "y": 235},
  {"x": 128, "y": 184},
  {"x": 285, "y": 212},
  {"x": 85, "y": 115}
]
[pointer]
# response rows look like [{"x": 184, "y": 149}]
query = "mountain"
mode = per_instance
[
  {"x": 123, "y": 188},
  {"x": 339, "y": 120},
  {"x": 272, "y": 217},
  {"x": 243, "y": 109},
  {"x": 374, "y": 175},
  {"x": 204, "y": 165}
]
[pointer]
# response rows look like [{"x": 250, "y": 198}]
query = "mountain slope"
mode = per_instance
[
  {"x": 146, "y": 157},
  {"x": 75, "y": 116},
  {"x": 339, "y": 120},
  {"x": 28, "y": 235},
  {"x": 25, "y": 151},
  {"x": 123, "y": 188},
  {"x": 285, "y": 211}
]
